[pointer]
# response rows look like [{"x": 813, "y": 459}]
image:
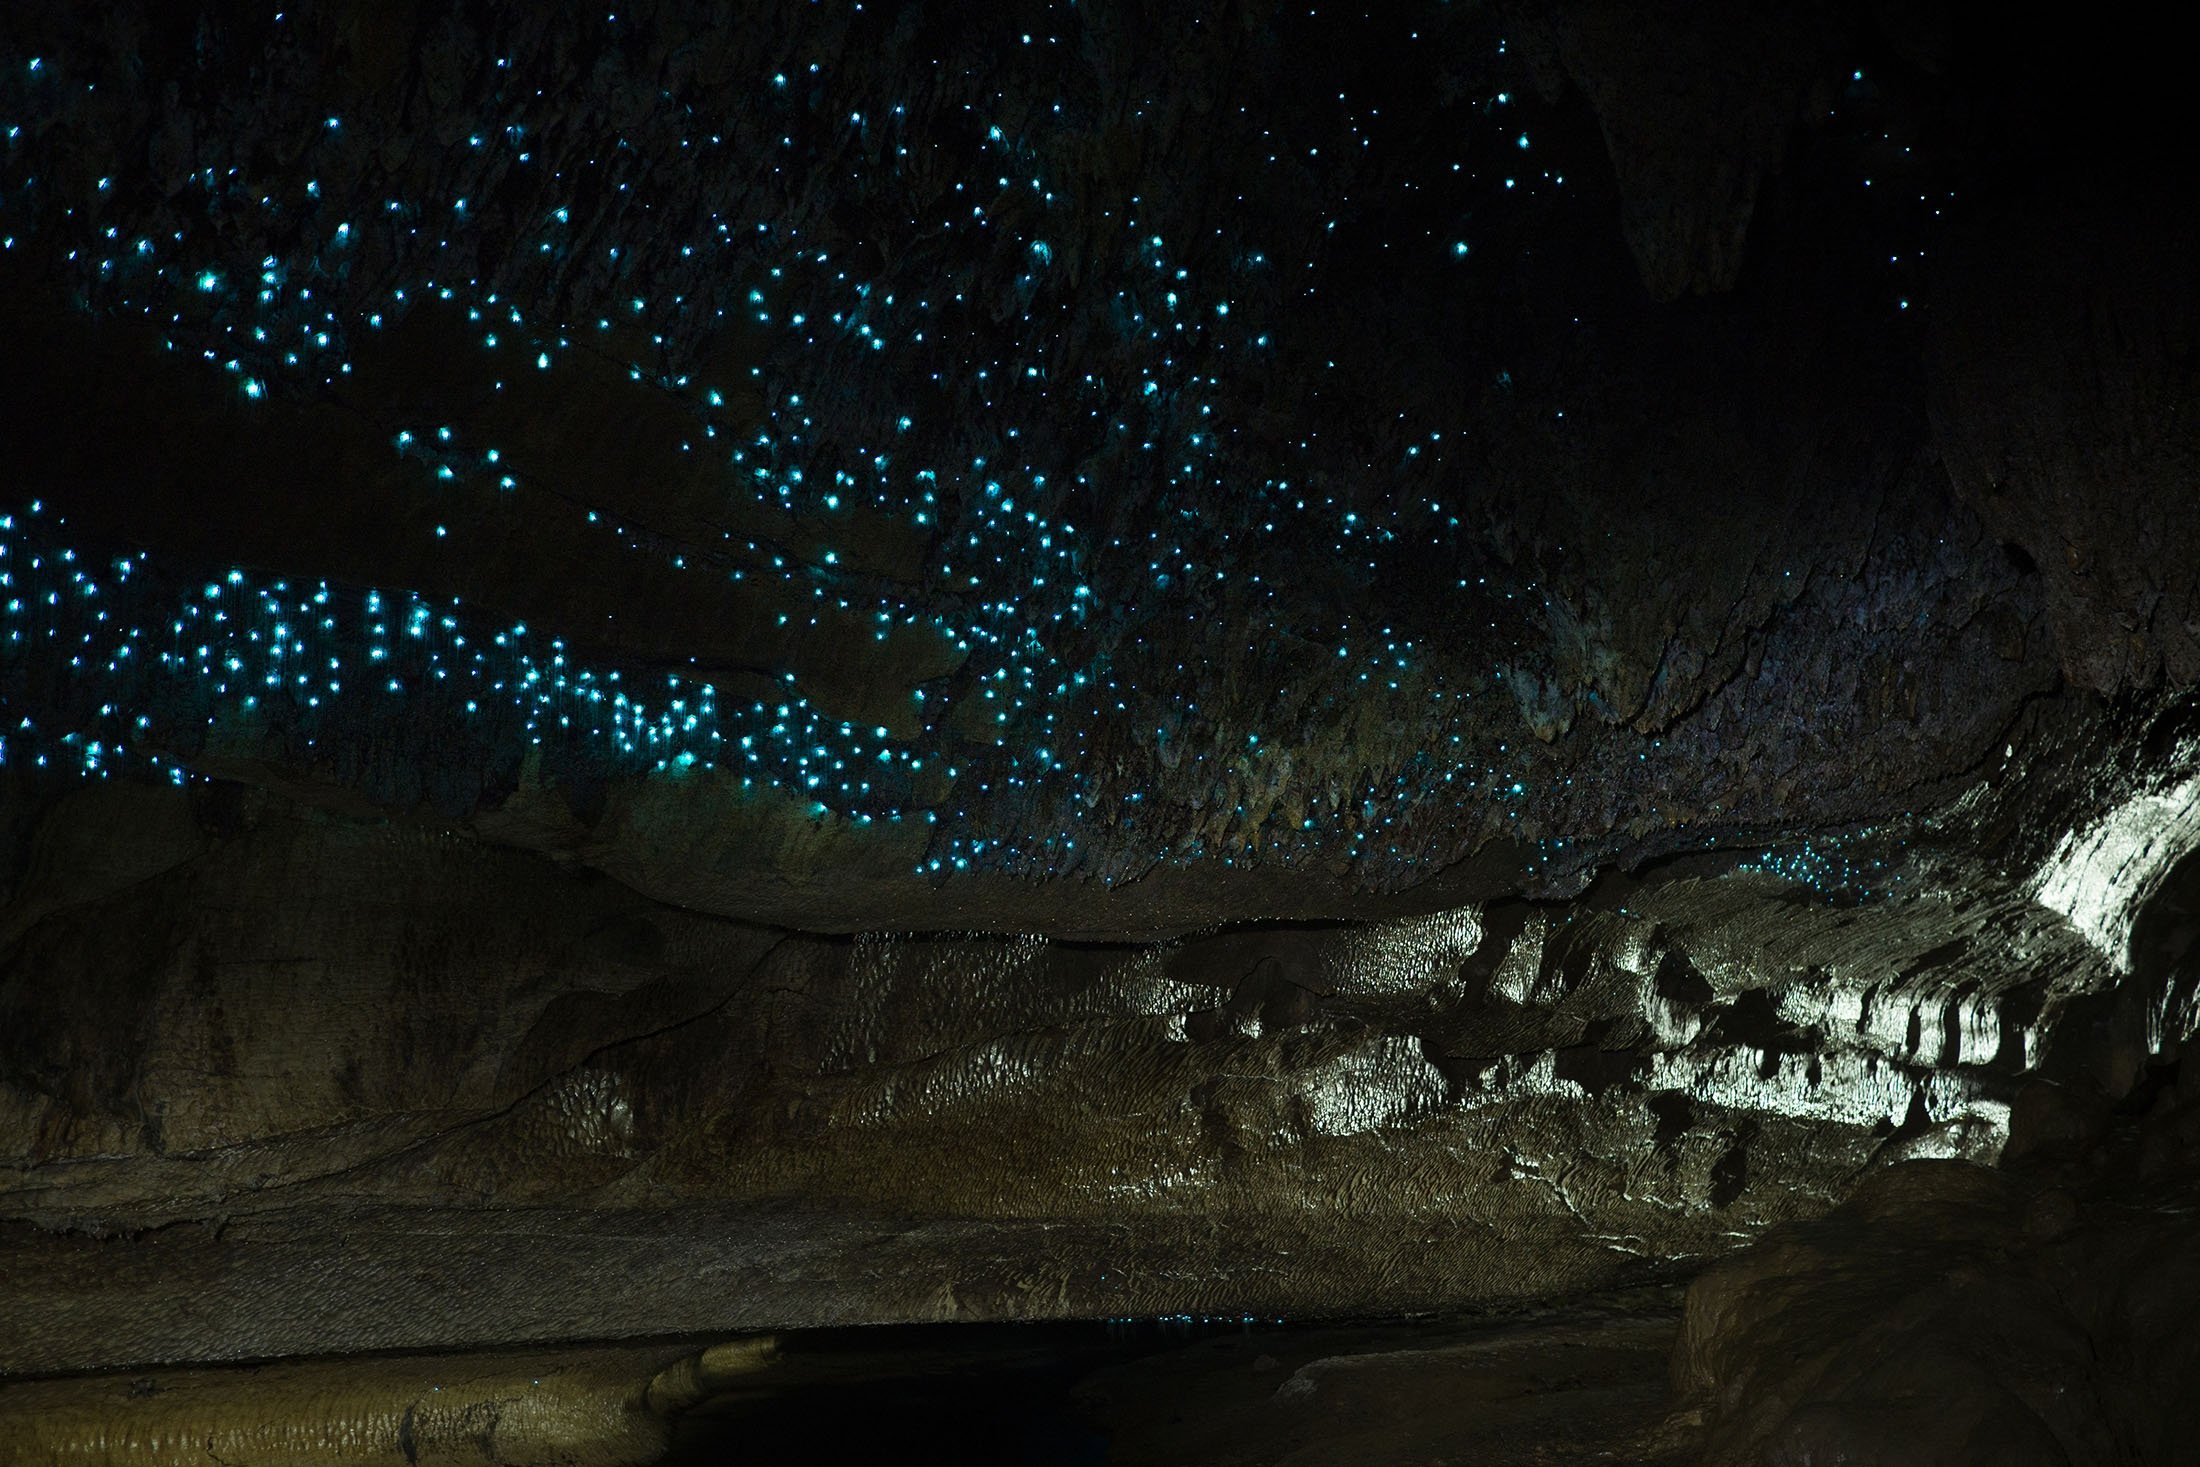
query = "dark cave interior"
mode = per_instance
[{"x": 1223, "y": 733}]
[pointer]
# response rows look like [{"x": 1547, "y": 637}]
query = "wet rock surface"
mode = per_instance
[
  {"x": 304, "y": 1043},
  {"x": 602, "y": 1407}
]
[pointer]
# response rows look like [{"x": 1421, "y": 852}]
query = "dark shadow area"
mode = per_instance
[
  {"x": 1212, "y": 1391},
  {"x": 981, "y": 1394}
]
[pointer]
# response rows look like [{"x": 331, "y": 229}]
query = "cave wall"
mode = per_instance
[{"x": 296, "y": 1043}]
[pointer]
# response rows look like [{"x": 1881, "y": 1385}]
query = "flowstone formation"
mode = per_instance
[{"x": 852, "y": 664}]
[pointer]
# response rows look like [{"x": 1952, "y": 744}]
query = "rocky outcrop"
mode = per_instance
[{"x": 1950, "y": 1314}]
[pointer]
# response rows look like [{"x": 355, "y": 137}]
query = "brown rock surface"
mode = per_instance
[{"x": 1950, "y": 1314}]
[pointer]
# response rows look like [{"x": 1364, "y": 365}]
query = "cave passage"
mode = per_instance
[{"x": 1098, "y": 731}]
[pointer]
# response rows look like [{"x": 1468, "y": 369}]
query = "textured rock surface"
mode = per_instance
[
  {"x": 574, "y": 1408},
  {"x": 299, "y": 1042},
  {"x": 1414, "y": 566},
  {"x": 1949, "y": 1314}
]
